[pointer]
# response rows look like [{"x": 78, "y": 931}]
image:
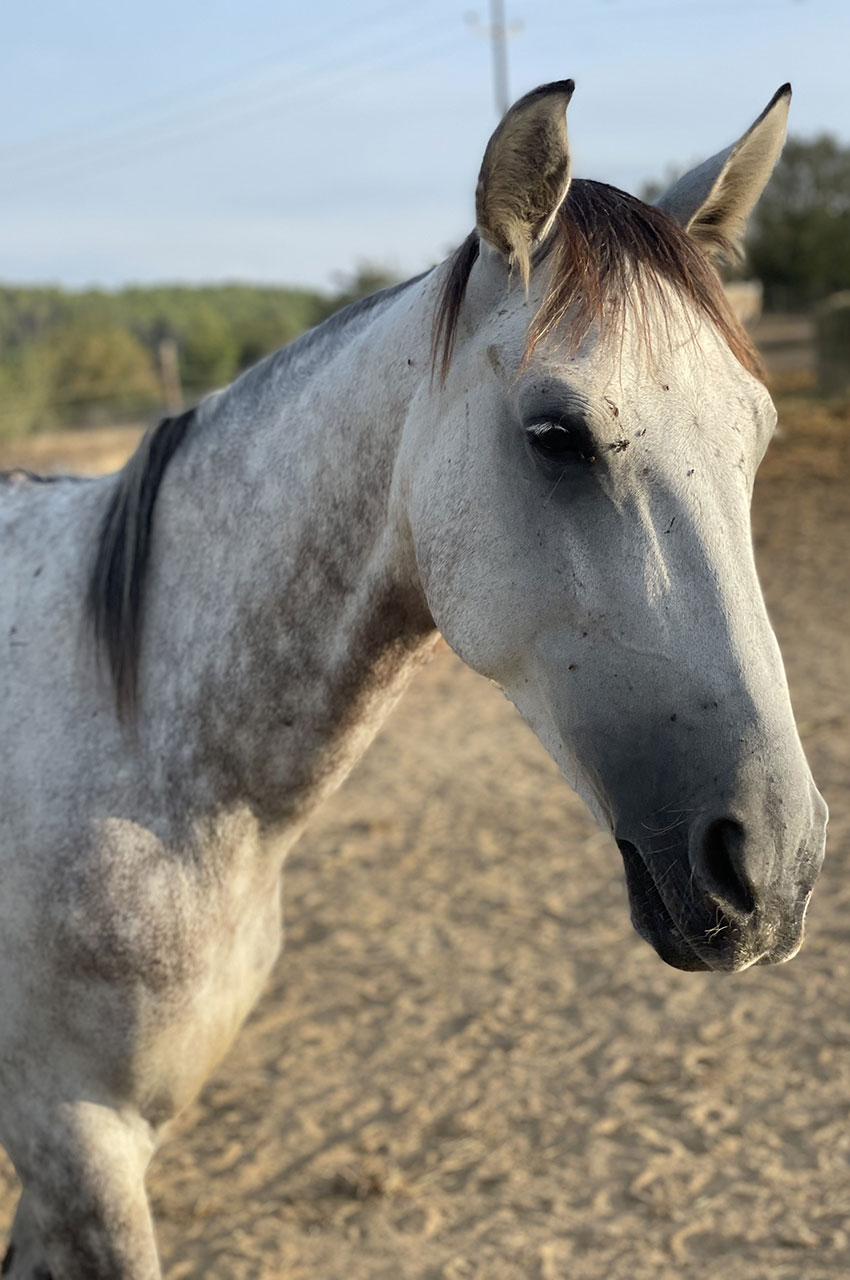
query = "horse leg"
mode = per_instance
[
  {"x": 24, "y": 1256},
  {"x": 83, "y": 1214}
]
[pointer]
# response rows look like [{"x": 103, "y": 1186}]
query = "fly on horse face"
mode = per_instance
[{"x": 544, "y": 449}]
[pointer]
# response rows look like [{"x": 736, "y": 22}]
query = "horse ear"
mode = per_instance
[
  {"x": 714, "y": 201},
  {"x": 525, "y": 174}
]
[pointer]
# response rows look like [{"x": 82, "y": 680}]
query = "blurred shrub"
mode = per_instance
[
  {"x": 799, "y": 244},
  {"x": 209, "y": 351},
  {"x": 99, "y": 364},
  {"x": 25, "y": 391}
]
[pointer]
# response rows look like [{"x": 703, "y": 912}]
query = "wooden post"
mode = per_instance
[
  {"x": 169, "y": 374},
  {"x": 832, "y": 338}
]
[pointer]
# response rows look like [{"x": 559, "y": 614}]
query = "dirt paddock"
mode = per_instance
[{"x": 467, "y": 1065}]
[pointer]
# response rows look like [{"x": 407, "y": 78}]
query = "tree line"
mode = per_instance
[{"x": 94, "y": 356}]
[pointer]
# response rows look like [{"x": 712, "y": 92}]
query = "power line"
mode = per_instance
[
  {"x": 97, "y": 156},
  {"x": 224, "y": 111},
  {"x": 192, "y": 96},
  {"x": 612, "y": 11}
]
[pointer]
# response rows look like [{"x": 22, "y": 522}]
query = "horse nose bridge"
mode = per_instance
[
  {"x": 691, "y": 592},
  {"x": 697, "y": 540},
  {"x": 703, "y": 640}
]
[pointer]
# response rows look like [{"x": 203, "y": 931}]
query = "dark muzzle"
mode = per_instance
[{"x": 724, "y": 892}]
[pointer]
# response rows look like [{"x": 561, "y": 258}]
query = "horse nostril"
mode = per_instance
[{"x": 721, "y": 857}]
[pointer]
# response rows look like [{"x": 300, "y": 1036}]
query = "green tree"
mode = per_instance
[
  {"x": 799, "y": 244},
  {"x": 209, "y": 352}
]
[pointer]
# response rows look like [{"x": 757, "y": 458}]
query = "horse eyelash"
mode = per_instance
[
  {"x": 585, "y": 447},
  {"x": 539, "y": 427}
]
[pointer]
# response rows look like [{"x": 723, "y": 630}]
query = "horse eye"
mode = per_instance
[{"x": 561, "y": 441}]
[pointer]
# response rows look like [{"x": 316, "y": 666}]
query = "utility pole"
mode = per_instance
[
  {"x": 498, "y": 37},
  {"x": 168, "y": 358},
  {"x": 498, "y": 31}
]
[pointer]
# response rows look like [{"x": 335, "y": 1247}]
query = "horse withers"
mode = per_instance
[{"x": 546, "y": 449}]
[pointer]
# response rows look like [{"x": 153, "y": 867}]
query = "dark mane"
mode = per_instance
[
  {"x": 606, "y": 247},
  {"x": 116, "y": 585}
]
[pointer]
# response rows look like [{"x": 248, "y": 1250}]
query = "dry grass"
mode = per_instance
[{"x": 90, "y": 452}]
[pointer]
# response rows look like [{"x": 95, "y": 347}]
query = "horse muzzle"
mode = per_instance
[{"x": 721, "y": 892}]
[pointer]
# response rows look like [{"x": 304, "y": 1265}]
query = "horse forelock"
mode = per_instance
[{"x": 606, "y": 248}]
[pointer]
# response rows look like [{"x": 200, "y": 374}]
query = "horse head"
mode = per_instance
[{"x": 579, "y": 485}]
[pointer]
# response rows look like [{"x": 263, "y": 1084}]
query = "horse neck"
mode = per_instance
[{"x": 303, "y": 612}]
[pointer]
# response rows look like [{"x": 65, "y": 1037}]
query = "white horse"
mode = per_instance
[{"x": 545, "y": 448}]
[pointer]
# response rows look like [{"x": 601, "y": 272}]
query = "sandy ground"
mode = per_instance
[{"x": 467, "y": 1065}]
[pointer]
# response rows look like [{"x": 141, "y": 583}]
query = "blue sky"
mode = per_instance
[{"x": 284, "y": 143}]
